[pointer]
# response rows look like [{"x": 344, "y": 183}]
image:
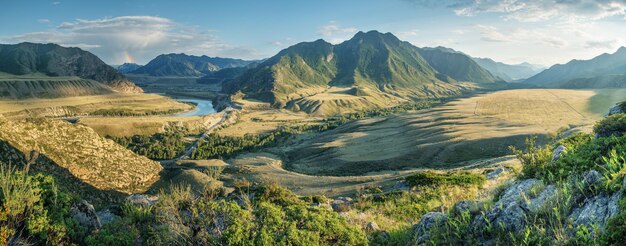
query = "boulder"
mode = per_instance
[
  {"x": 617, "y": 109},
  {"x": 427, "y": 223},
  {"x": 510, "y": 212},
  {"x": 496, "y": 173},
  {"x": 473, "y": 207},
  {"x": 372, "y": 227},
  {"x": 558, "y": 152},
  {"x": 591, "y": 180},
  {"x": 543, "y": 200},
  {"x": 142, "y": 199},
  {"x": 106, "y": 216},
  {"x": 86, "y": 215},
  {"x": 596, "y": 210}
]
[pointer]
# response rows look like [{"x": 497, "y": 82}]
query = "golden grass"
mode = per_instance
[
  {"x": 462, "y": 130},
  {"x": 86, "y": 104}
]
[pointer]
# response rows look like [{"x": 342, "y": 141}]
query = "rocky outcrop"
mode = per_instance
[
  {"x": 427, "y": 223},
  {"x": 596, "y": 211},
  {"x": 142, "y": 199},
  {"x": 558, "y": 152},
  {"x": 617, "y": 109},
  {"x": 525, "y": 199},
  {"x": 86, "y": 215},
  {"x": 88, "y": 157}
]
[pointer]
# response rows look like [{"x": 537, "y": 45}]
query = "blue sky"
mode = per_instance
[{"x": 511, "y": 31}]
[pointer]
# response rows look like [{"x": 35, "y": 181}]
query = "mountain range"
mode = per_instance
[
  {"x": 603, "y": 71},
  {"x": 127, "y": 67},
  {"x": 182, "y": 65},
  {"x": 509, "y": 72},
  {"x": 372, "y": 68},
  {"x": 54, "y": 61}
]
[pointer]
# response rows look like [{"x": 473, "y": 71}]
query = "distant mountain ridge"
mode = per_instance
[
  {"x": 182, "y": 65},
  {"x": 127, "y": 67},
  {"x": 509, "y": 72},
  {"x": 606, "y": 70},
  {"x": 373, "y": 67},
  {"x": 54, "y": 60}
]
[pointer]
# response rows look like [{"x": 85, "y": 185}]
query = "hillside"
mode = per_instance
[
  {"x": 370, "y": 70},
  {"x": 56, "y": 61},
  {"x": 182, "y": 65},
  {"x": 456, "y": 65},
  {"x": 88, "y": 157},
  {"x": 508, "y": 72},
  {"x": 584, "y": 73},
  {"x": 41, "y": 86}
]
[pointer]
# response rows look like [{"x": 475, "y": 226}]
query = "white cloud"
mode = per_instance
[
  {"x": 56, "y": 3},
  {"x": 143, "y": 37},
  {"x": 43, "y": 21},
  {"x": 601, "y": 44},
  {"x": 335, "y": 33},
  {"x": 535, "y": 10},
  {"x": 406, "y": 34},
  {"x": 525, "y": 36}
]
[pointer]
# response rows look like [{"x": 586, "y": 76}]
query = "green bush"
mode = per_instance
[
  {"x": 614, "y": 125},
  {"x": 534, "y": 159},
  {"x": 32, "y": 208},
  {"x": 436, "y": 179}
]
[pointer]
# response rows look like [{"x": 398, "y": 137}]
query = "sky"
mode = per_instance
[{"x": 542, "y": 32}]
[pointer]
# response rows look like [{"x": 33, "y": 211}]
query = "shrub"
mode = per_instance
[
  {"x": 435, "y": 179},
  {"x": 534, "y": 159},
  {"x": 32, "y": 208},
  {"x": 614, "y": 125}
]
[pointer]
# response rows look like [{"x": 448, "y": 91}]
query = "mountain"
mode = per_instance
[
  {"x": 182, "y": 65},
  {"x": 371, "y": 69},
  {"x": 509, "y": 72},
  {"x": 127, "y": 67},
  {"x": 606, "y": 70},
  {"x": 222, "y": 75},
  {"x": 56, "y": 61},
  {"x": 456, "y": 65}
]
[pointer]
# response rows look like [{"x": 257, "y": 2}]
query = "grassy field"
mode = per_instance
[
  {"x": 462, "y": 130},
  {"x": 81, "y": 105}
]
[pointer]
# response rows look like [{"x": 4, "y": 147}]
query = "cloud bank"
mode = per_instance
[{"x": 141, "y": 37}]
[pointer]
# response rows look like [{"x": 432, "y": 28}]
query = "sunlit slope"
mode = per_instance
[
  {"x": 462, "y": 130},
  {"x": 370, "y": 70},
  {"x": 94, "y": 160}
]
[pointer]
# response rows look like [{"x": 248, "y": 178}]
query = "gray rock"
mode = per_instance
[
  {"x": 596, "y": 210},
  {"x": 427, "y": 223},
  {"x": 591, "y": 179},
  {"x": 558, "y": 152},
  {"x": 543, "y": 200},
  {"x": 340, "y": 206},
  {"x": 518, "y": 190},
  {"x": 510, "y": 212},
  {"x": 106, "y": 216},
  {"x": 473, "y": 207},
  {"x": 617, "y": 109},
  {"x": 372, "y": 227},
  {"x": 85, "y": 214},
  {"x": 495, "y": 173},
  {"x": 142, "y": 199}
]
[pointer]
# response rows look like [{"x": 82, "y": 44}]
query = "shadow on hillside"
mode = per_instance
[{"x": 40, "y": 163}]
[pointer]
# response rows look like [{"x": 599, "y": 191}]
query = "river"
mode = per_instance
[{"x": 203, "y": 107}]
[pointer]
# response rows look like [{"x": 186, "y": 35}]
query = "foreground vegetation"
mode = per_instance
[{"x": 572, "y": 174}]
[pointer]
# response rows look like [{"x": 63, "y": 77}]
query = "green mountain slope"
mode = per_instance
[
  {"x": 56, "y": 61},
  {"x": 456, "y": 65},
  {"x": 584, "y": 73},
  {"x": 182, "y": 65},
  {"x": 371, "y": 69}
]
